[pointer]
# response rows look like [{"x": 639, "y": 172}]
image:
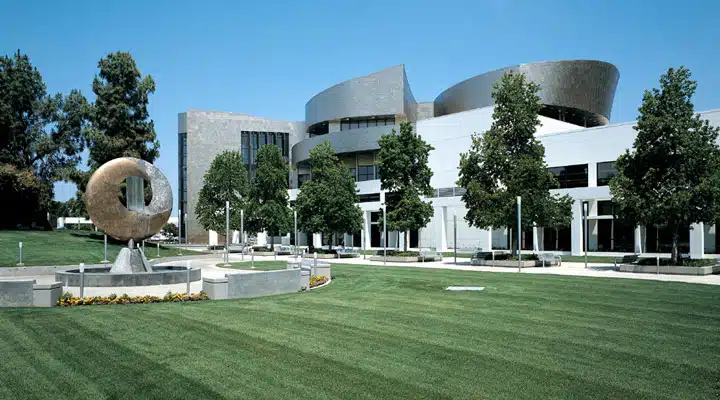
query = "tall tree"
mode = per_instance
[
  {"x": 405, "y": 175},
  {"x": 507, "y": 161},
  {"x": 671, "y": 177},
  {"x": 120, "y": 122},
  {"x": 268, "y": 204},
  {"x": 328, "y": 203},
  {"x": 225, "y": 180},
  {"x": 39, "y": 134}
]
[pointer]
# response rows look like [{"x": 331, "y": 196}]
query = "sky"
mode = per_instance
[{"x": 268, "y": 58}]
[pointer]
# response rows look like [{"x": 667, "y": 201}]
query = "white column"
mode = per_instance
[
  {"x": 366, "y": 231},
  {"x": 440, "y": 228},
  {"x": 576, "y": 229},
  {"x": 592, "y": 175},
  {"x": 697, "y": 241},
  {"x": 317, "y": 239},
  {"x": 536, "y": 238},
  {"x": 212, "y": 238},
  {"x": 639, "y": 240}
]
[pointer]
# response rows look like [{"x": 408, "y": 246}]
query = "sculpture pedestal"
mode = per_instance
[{"x": 130, "y": 261}]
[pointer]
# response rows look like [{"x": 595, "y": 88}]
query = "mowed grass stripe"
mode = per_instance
[{"x": 382, "y": 333}]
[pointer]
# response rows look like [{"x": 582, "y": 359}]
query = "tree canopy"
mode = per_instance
[
  {"x": 405, "y": 175},
  {"x": 41, "y": 139},
  {"x": 225, "y": 180},
  {"x": 328, "y": 202},
  {"x": 507, "y": 161},
  {"x": 671, "y": 176},
  {"x": 268, "y": 203},
  {"x": 120, "y": 125}
]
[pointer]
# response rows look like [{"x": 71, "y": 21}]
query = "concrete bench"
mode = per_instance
[
  {"x": 430, "y": 254},
  {"x": 27, "y": 293},
  {"x": 346, "y": 252},
  {"x": 626, "y": 259},
  {"x": 549, "y": 259}
]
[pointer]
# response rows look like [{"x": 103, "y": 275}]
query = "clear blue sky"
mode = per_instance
[{"x": 269, "y": 58}]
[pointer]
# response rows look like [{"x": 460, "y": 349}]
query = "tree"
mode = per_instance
[
  {"x": 405, "y": 175},
  {"x": 226, "y": 180},
  {"x": 171, "y": 230},
  {"x": 268, "y": 204},
  {"x": 507, "y": 161},
  {"x": 40, "y": 135},
  {"x": 120, "y": 123},
  {"x": 327, "y": 203},
  {"x": 671, "y": 177}
]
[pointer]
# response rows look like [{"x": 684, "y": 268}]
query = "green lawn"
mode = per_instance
[
  {"x": 381, "y": 333},
  {"x": 259, "y": 265},
  {"x": 63, "y": 247}
]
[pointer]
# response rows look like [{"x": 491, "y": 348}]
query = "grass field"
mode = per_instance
[
  {"x": 64, "y": 247},
  {"x": 259, "y": 265},
  {"x": 381, "y": 333}
]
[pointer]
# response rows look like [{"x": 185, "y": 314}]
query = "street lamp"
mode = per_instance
[
  {"x": 519, "y": 234},
  {"x": 586, "y": 233},
  {"x": 384, "y": 234},
  {"x": 186, "y": 229},
  {"x": 455, "y": 234},
  {"x": 242, "y": 234},
  {"x": 296, "y": 237},
  {"x": 227, "y": 233}
]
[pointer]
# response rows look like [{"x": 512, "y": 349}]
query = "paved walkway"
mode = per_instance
[{"x": 209, "y": 269}]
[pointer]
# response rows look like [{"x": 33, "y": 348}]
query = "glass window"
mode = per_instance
[
  {"x": 344, "y": 125},
  {"x": 372, "y": 122},
  {"x": 571, "y": 176},
  {"x": 605, "y": 172},
  {"x": 271, "y": 138},
  {"x": 390, "y": 121},
  {"x": 377, "y": 172},
  {"x": 302, "y": 178},
  {"x": 263, "y": 139},
  {"x": 605, "y": 207},
  {"x": 353, "y": 172},
  {"x": 366, "y": 173}
]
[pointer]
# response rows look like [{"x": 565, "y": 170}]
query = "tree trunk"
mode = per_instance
[
  {"x": 512, "y": 242},
  {"x": 407, "y": 239},
  {"x": 272, "y": 242},
  {"x": 674, "y": 256}
]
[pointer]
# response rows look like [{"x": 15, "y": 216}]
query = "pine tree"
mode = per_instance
[
  {"x": 671, "y": 177},
  {"x": 507, "y": 161}
]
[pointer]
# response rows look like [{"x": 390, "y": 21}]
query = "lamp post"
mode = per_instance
[
  {"x": 384, "y": 234},
  {"x": 296, "y": 237},
  {"x": 586, "y": 233},
  {"x": 455, "y": 234},
  {"x": 227, "y": 233},
  {"x": 105, "y": 260},
  {"x": 179, "y": 225},
  {"x": 519, "y": 233},
  {"x": 242, "y": 234},
  {"x": 186, "y": 230},
  {"x": 20, "y": 263}
]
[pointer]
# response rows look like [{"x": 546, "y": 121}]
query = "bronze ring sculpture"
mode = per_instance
[{"x": 110, "y": 215}]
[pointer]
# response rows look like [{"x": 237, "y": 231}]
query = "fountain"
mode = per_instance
[{"x": 132, "y": 224}]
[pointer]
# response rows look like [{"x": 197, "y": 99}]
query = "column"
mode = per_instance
[
  {"x": 317, "y": 240},
  {"x": 697, "y": 241},
  {"x": 537, "y": 238},
  {"x": 576, "y": 229},
  {"x": 366, "y": 231},
  {"x": 440, "y": 228},
  {"x": 639, "y": 240}
]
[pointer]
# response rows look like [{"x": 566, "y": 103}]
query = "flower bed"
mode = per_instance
[
  {"x": 318, "y": 280},
  {"x": 68, "y": 300}
]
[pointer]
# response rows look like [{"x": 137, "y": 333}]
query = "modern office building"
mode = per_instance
[{"x": 580, "y": 146}]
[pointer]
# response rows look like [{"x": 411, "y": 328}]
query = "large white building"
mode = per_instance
[{"x": 580, "y": 146}]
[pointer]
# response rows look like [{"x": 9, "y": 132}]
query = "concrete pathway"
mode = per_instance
[{"x": 209, "y": 269}]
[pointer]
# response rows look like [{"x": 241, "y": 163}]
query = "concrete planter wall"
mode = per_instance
[
  {"x": 101, "y": 277},
  {"x": 27, "y": 293},
  {"x": 395, "y": 259},
  {"x": 509, "y": 263},
  {"x": 670, "y": 270},
  {"x": 256, "y": 284}
]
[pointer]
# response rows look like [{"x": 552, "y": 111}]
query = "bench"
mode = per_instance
[
  {"x": 626, "y": 259},
  {"x": 430, "y": 254},
  {"x": 550, "y": 259},
  {"x": 346, "y": 252},
  {"x": 284, "y": 250}
]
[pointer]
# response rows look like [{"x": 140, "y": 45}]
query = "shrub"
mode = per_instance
[
  {"x": 508, "y": 257},
  {"x": 68, "y": 300},
  {"x": 683, "y": 262},
  {"x": 399, "y": 253}
]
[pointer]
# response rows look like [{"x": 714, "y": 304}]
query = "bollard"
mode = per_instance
[
  {"x": 543, "y": 262},
  {"x": 493, "y": 257},
  {"x": 158, "y": 249},
  {"x": 187, "y": 264},
  {"x": 82, "y": 279},
  {"x": 657, "y": 263},
  {"x": 20, "y": 263},
  {"x": 143, "y": 248},
  {"x": 315, "y": 264},
  {"x": 275, "y": 254},
  {"x": 252, "y": 258}
]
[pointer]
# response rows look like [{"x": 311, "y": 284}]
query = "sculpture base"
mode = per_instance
[{"x": 130, "y": 261}]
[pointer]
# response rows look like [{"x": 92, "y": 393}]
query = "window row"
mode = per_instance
[
  {"x": 574, "y": 176},
  {"x": 253, "y": 141},
  {"x": 366, "y": 122}
]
